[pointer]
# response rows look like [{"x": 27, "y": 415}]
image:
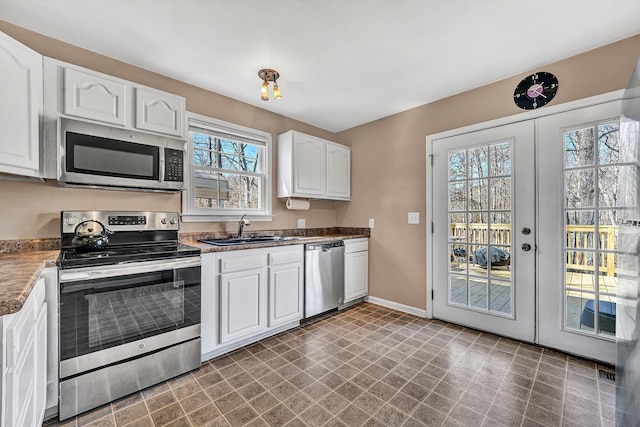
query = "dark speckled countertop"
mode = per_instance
[
  {"x": 298, "y": 240},
  {"x": 19, "y": 272}
]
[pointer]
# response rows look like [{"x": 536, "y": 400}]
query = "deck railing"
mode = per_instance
[{"x": 580, "y": 242}]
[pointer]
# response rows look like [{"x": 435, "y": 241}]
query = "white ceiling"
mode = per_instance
[{"x": 342, "y": 62}]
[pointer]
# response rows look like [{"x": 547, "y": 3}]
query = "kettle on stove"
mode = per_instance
[{"x": 90, "y": 235}]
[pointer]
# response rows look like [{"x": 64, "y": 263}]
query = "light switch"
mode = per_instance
[
  {"x": 301, "y": 223},
  {"x": 414, "y": 217},
  {"x": 372, "y": 222}
]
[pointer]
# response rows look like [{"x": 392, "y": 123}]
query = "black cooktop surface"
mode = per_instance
[{"x": 74, "y": 258}]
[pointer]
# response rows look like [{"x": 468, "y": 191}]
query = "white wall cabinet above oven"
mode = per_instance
[
  {"x": 24, "y": 356},
  {"x": 248, "y": 295},
  {"x": 20, "y": 108},
  {"x": 313, "y": 167},
  {"x": 78, "y": 92}
]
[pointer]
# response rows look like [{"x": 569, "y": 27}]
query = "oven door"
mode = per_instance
[{"x": 115, "y": 312}]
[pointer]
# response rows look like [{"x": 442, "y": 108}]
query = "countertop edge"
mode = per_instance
[{"x": 14, "y": 304}]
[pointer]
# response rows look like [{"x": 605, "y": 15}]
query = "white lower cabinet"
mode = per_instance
[
  {"x": 24, "y": 353},
  {"x": 242, "y": 304},
  {"x": 286, "y": 277},
  {"x": 248, "y": 295},
  {"x": 356, "y": 269}
]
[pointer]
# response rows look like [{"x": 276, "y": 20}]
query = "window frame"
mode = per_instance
[{"x": 191, "y": 213}]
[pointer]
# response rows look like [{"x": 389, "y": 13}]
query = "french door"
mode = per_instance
[
  {"x": 581, "y": 167},
  {"x": 484, "y": 228},
  {"x": 525, "y": 229}
]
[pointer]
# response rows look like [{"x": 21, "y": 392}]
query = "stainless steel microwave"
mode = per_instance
[{"x": 99, "y": 156}]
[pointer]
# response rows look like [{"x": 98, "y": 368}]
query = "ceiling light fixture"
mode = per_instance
[{"x": 268, "y": 75}]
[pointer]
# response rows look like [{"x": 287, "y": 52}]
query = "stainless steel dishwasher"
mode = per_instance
[{"x": 324, "y": 277}]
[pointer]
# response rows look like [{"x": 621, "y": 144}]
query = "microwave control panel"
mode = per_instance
[{"x": 173, "y": 165}]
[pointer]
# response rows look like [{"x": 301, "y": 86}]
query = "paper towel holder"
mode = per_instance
[{"x": 297, "y": 204}]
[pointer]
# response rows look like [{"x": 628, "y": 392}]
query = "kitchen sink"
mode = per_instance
[{"x": 247, "y": 240}]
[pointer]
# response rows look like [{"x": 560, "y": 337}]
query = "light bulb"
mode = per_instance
[
  {"x": 276, "y": 91},
  {"x": 265, "y": 91}
]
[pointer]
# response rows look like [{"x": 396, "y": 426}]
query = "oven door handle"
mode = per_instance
[{"x": 104, "y": 271}]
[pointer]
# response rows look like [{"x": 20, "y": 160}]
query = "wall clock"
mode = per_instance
[{"x": 536, "y": 90}]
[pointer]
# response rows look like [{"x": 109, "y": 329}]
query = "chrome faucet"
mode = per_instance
[{"x": 241, "y": 225}]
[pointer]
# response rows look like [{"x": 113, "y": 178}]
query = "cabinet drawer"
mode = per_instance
[
  {"x": 286, "y": 256},
  {"x": 242, "y": 262},
  {"x": 356, "y": 245}
]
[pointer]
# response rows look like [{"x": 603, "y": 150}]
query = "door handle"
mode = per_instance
[{"x": 526, "y": 247}]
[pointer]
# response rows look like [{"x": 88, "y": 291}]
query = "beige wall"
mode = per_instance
[
  {"x": 389, "y": 164},
  {"x": 31, "y": 210},
  {"x": 388, "y": 159}
]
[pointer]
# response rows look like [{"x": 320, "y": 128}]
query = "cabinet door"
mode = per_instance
[
  {"x": 93, "y": 97},
  {"x": 338, "y": 172},
  {"x": 20, "y": 368},
  {"x": 20, "y": 107},
  {"x": 159, "y": 112},
  {"x": 242, "y": 304},
  {"x": 285, "y": 294},
  {"x": 40, "y": 382},
  {"x": 309, "y": 166},
  {"x": 356, "y": 275}
]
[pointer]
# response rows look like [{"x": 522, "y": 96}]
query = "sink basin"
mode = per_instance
[{"x": 247, "y": 240}]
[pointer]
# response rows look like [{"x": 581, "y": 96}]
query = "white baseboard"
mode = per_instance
[{"x": 397, "y": 306}]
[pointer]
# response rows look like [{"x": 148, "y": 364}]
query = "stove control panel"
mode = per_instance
[
  {"x": 127, "y": 220},
  {"x": 122, "y": 221}
]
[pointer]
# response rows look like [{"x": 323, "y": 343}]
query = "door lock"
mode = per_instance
[
  {"x": 526, "y": 247},
  {"x": 526, "y": 231}
]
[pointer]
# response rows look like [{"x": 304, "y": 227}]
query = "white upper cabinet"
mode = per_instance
[
  {"x": 92, "y": 97},
  {"x": 78, "y": 92},
  {"x": 309, "y": 159},
  {"x": 20, "y": 107},
  {"x": 159, "y": 112},
  {"x": 312, "y": 167},
  {"x": 338, "y": 172}
]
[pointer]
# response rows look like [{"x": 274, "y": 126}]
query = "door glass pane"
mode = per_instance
[
  {"x": 458, "y": 169},
  {"x": 457, "y": 196},
  {"x": 580, "y": 310},
  {"x": 478, "y": 195},
  {"x": 501, "y": 193},
  {"x": 501, "y": 160},
  {"x": 591, "y": 227},
  {"x": 580, "y": 191},
  {"x": 579, "y": 147},
  {"x": 478, "y": 166},
  {"x": 478, "y": 292},
  {"x": 480, "y": 221},
  {"x": 501, "y": 296},
  {"x": 458, "y": 289}
]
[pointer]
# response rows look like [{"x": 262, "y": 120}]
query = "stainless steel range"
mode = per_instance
[{"x": 129, "y": 305}]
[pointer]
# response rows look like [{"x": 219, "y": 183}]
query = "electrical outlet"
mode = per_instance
[
  {"x": 301, "y": 223},
  {"x": 372, "y": 222},
  {"x": 414, "y": 217}
]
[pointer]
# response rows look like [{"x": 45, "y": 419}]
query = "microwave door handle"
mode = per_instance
[{"x": 162, "y": 165}]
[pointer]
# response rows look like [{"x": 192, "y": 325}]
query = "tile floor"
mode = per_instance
[{"x": 372, "y": 366}]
